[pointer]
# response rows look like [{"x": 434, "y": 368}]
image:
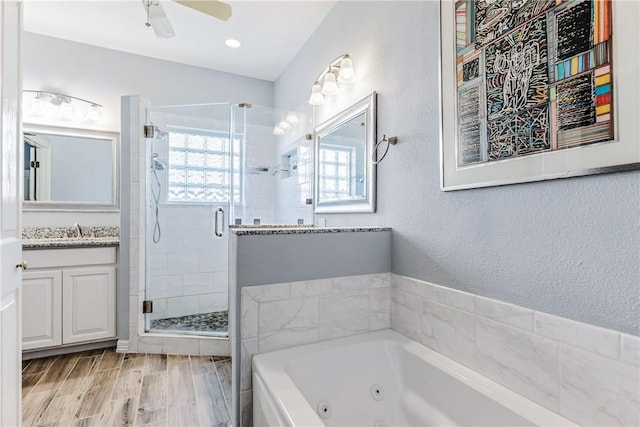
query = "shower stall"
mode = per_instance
[{"x": 211, "y": 166}]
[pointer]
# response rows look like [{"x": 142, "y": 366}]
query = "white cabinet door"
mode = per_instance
[
  {"x": 41, "y": 309},
  {"x": 89, "y": 304}
]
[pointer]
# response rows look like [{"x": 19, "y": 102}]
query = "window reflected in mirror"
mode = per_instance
[
  {"x": 345, "y": 175},
  {"x": 341, "y": 162}
]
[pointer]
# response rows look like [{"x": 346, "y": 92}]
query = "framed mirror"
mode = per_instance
[
  {"x": 70, "y": 169},
  {"x": 345, "y": 176}
]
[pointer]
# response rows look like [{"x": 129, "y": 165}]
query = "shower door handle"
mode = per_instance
[{"x": 219, "y": 214}]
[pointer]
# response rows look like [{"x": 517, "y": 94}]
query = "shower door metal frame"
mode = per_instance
[{"x": 216, "y": 216}]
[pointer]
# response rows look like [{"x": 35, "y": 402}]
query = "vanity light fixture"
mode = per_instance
[
  {"x": 340, "y": 70},
  {"x": 65, "y": 110},
  {"x": 317, "y": 98},
  {"x": 347, "y": 75},
  {"x": 330, "y": 86},
  {"x": 284, "y": 124},
  {"x": 51, "y": 105},
  {"x": 93, "y": 113},
  {"x": 292, "y": 118}
]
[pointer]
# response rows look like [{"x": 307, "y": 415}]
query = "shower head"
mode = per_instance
[{"x": 156, "y": 163}]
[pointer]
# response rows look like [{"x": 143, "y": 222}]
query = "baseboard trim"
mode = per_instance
[
  {"x": 67, "y": 349},
  {"x": 122, "y": 346}
]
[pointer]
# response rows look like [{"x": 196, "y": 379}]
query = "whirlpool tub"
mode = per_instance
[{"x": 382, "y": 379}]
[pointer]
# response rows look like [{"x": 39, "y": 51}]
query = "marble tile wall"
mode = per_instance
[
  {"x": 288, "y": 314},
  {"x": 586, "y": 373}
]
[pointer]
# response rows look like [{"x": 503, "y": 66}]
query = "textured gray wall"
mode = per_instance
[
  {"x": 280, "y": 258},
  {"x": 567, "y": 247}
]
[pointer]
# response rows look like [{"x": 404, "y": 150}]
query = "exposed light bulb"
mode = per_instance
[
  {"x": 329, "y": 87},
  {"x": 347, "y": 74},
  {"x": 278, "y": 130},
  {"x": 316, "y": 95}
]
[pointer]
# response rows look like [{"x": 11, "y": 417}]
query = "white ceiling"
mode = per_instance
[{"x": 271, "y": 32}]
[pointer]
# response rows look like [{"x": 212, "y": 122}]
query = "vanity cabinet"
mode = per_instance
[
  {"x": 69, "y": 297},
  {"x": 41, "y": 309}
]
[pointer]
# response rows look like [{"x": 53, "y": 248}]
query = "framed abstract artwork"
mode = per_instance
[{"x": 538, "y": 89}]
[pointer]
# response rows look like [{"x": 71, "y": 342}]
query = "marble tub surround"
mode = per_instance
[
  {"x": 303, "y": 229},
  {"x": 282, "y": 315},
  {"x": 68, "y": 237},
  {"x": 586, "y": 373},
  {"x": 298, "y": 285}
]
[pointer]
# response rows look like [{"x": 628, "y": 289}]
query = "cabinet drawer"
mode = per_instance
[{"x": 57, "y": 258}]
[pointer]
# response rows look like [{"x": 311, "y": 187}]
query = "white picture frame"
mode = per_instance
[{"x": 622, "y": 153}]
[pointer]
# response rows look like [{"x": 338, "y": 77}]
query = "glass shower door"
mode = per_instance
[
  {"x": 275, "y": 171},
  {"x": 189, "y": 182}
]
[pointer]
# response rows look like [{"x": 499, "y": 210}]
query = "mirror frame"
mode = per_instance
[
  {"x": 366, "y": 105},
  {"x": 111, "y": 206}
]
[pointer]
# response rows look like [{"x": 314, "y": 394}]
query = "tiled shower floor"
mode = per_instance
[{"x": 209, "y": 324}]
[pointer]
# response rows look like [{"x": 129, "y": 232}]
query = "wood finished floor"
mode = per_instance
[{"x": 105, "y": 388}]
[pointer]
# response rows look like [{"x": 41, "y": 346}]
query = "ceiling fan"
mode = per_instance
[{"x": 157, "y": 19}]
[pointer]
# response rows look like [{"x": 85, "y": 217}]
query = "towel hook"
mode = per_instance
[{"x": 392, "y": 140}]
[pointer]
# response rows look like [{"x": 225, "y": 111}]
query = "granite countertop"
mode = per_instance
[
  {"x": 87, "y": 242},
  {"x": 240, "y": 226},
  {"x": 68, "y": 237},
  {"x": 304, "y": 230}
]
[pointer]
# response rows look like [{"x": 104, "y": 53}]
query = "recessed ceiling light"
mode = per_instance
[{"x": 232, "y": 42}]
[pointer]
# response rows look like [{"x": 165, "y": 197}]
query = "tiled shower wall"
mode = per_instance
[
  {"x": 586, "y": 373},
  {"x": 287, "y": 314},
  {"x": 294, "y": 184},
  {"x": 259, "y": 184},
  {"x": 187, "y": 268}
]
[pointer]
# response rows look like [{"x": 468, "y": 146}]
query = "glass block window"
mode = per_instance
[
  {"x": 200, "y": 164},
  {"x": 335, "y": 172}
]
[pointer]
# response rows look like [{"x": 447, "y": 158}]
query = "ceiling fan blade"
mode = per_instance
[
  {"x": 158, "y": 19},
  {"x": 215, "y": 8}
]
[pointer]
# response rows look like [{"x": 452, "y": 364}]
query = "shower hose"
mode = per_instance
[{"x": 157, "y": 233}]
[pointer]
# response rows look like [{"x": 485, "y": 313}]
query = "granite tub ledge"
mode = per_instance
[
  {"x": 84, "y": 242},
  {"x": 304, "y": 230}
]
